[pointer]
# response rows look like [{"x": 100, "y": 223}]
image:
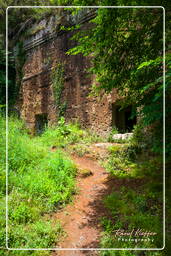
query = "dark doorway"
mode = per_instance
[
  {"x": 122, "y": 118},
  {"x": 129, "y": 120},
  {"x": 41, "y": 123}
]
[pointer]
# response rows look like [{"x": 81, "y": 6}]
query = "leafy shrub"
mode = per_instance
[
  {"x": 65, "y": 134},
  {"x": 120, "y": 158}
]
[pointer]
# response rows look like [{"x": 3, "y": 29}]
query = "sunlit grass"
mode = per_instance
[{"x": 40, "y": 182}]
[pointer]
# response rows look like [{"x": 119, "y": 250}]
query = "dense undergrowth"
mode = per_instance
[
  {"x": 65, "y": 135},
  {"x": 40, "y": 181},
  {"x": 136, "y": 203}
]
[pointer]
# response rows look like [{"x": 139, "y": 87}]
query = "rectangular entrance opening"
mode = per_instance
[
  {"x": 122, "y": 118},
  {"x": 41, "y": 123}
]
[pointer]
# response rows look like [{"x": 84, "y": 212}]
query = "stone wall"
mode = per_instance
[{"x": 44, "y": 50}]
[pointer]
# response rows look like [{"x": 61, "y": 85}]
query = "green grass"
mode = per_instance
[
  {"x": 64, "y": 134},
  {"x": 131, "y": 253},
  {"x": 40, "y": 182},
  {"x": 137, "y": 202}
]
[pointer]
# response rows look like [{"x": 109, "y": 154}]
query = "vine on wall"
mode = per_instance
[
  {"x": 20, "y": 60},
  {"x": 58, "y": 86}
]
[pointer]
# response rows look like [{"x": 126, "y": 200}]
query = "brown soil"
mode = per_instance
[{"x": 81, "y": 219}]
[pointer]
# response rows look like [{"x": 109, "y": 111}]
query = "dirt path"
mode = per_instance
[{"x": 81, "y": 219}]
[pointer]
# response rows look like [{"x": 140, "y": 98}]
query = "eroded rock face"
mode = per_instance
[{"x": 44, "y": 50}]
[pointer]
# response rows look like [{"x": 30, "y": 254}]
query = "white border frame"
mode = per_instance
[{"x": 86, "y": 249}]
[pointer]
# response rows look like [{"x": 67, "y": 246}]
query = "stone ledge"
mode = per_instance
[{"x": 51, "y": 35}]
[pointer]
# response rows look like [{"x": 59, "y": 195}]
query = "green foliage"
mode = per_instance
[
  {"x": 21, "y": 214},
  {"x": 40, "y": 181},
  {"x": 18, "y": 19},
  {"x": 58, "y": 86},
  {"x": 113, "y": 44},
  {"x": 126, "y": 49},
  {"x": 11, "y": 79},
  {"x": 65, "y": 134},
  {"x": 137, "y": 200},
  {"x": 121, "y": 158},
  {"x": 62, "y": 134},
  {"x": 41, "y": 234},
  {"x": 128, "y": 160},
  {"x": 79, "y": 149},
  {"x": 113, "y": 131},
  {"x": 130, "y": 253},
  {"x": 22, "y": 151},
  {"x": 34, "y": 30},
  {"x": 142, "y": 140},
  {"x": 2, "y": 76},
  {"x": 19, "y": 63},
  {"x": 132, "y": 207}
]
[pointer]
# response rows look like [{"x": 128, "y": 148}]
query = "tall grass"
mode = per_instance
[{"x": 40, "y": 182}]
